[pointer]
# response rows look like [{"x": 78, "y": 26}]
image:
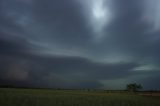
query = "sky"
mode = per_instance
[{"x": 99, "y": 44}]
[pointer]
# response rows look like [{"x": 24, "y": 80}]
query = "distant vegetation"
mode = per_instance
[{"x": 133, "y": 87}]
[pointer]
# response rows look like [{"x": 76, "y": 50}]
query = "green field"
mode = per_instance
[{"x": 44, "y": 97}]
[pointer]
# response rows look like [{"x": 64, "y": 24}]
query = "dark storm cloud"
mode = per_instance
[
  {"x": 64, "y": 21},
  {"x": 69, "y": 72},
  {"x": 77, "y": 66},
  {"x": 25, "y": 69},
  {"x": 54, "y": 43},
  {"x": 12, "y": 46},
  {"x": 129, "y": 34},
  {"x": 127, "y": 30}
]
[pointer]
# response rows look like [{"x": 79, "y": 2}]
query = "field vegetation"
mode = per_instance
[{"x": 50, "y": 97}]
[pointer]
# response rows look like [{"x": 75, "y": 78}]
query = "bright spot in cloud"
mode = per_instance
[
  {"x": 98, "y": 13},
  {"x": 115, "y": 58},
  {"x": 147, "y": 67},
  {"x": 98, "y": 10},
  {"x": 100, "y": 16},
  {"x": 152, "y": 14}
]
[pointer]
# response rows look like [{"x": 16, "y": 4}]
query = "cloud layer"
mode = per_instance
[{"x": 79, "y": 43}]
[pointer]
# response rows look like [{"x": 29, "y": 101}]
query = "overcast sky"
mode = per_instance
[{"x": 102, "y": 44}]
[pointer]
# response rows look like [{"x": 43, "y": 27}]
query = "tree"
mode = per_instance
[{"x": 133, "y": 87}]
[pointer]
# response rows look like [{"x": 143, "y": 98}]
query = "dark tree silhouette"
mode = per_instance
[{"x": 134, "y": 87}]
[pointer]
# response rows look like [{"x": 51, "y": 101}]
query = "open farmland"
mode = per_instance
[{"x": 45, "y": 97}]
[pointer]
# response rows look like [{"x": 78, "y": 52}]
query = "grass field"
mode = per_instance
[{"x": 44, "y": 97}]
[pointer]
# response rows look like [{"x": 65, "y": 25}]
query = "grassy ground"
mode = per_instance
[{"x": 43, "y": 97}]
